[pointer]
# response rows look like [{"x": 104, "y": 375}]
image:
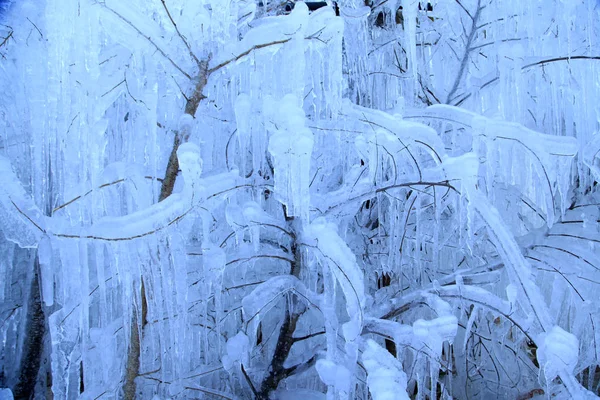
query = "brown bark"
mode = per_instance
[
  {"x": 133, "y": 361},
  {"x": 191, "y": 106},
  {"x": 277, "y": 372},
  {"x": 285, "y": 340},
  {"x": 168, "y": 182}
]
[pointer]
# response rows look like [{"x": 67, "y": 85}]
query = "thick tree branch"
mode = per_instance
[
  {"x": 168, "y": 182},
  {"x": 285, "y": 340},
  {"x": 277, "y": 372},
  {"x": 191, "y": 106},
  {"x": 133, "y": 360}
]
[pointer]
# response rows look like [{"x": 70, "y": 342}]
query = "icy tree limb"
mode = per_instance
[
  {"x": 133, "y": 360},
  {"x": 285, "y": 340},
  {"x": 191, "y": 106},
  {"x": 385, "y": 377},
  {"x": 334, "y": 253},
  {"x": 245, "y": 53}
]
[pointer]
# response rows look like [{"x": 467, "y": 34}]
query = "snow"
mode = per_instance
[
  {"x": 558, "y": 351},
  {"x": 237, "y": 352},
  {"x": 335, "y": 375},
  {"x": 434, "y": 332},
  {"x": 6, "y": 394},
  {"x": 385, "y": 376}
]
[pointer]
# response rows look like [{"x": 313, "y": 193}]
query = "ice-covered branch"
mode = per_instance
[
  {"x": 339, "y": 259},
  {"x": 22, "y": 221},
  {"x": 385, "y": 378},
  {"x": 264, "y": 296},
  {"x": 136, "y": 225}
]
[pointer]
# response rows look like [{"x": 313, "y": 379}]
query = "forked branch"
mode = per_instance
[
  {"x": 185, "y": 42},
  {"x": 152, "y": 42},
  {"x": 467, "y": 53}
]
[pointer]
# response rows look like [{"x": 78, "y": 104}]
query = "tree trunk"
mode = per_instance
[{"x": 33, "y": 345}]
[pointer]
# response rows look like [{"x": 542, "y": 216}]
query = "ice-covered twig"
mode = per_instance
[
  {"x": 245, "y": 53},
  {"x": 185, "y": 42},
  {"x": 467, "y": 53},
  {"x": 149, "y": 39}
]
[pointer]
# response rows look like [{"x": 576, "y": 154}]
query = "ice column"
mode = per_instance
[{"x": 291, "y": 145}]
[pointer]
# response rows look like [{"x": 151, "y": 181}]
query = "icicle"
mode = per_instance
[
  {"x": 291, "y": 147},
  {"x": 409, "y": 10},
  {"x": 47, "y": 274},
  {"x": 244, "y": 133}
]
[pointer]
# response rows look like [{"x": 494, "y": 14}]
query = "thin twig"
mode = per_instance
[
  {"x": 149, "y": 39},
  {"x": 464, "y": 9},
  {"x": 118, "y": 239},
  {"x": 6, "y": 38},
  {"x": 185, "y": 42},
  {"x": 26, "y": 216},
  {"x": 35, "y": 26},
  {"x": 465, "y": 58},
  {"x": 254, "y": 392},
  {"x": 245, "y": 53},
  {"x": 99, "y": 187},
  {"x": 557, "y": 59}
]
